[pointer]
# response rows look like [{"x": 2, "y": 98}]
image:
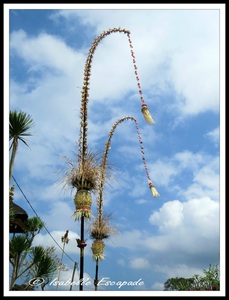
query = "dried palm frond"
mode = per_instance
[
  {"x": 85, "y": 175},
  {"x": 101, "y": 228}
]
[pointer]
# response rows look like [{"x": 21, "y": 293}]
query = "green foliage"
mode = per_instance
[
  {"x": 18, "y": 245},
  {"x": 20, "y": 124},
  {"x": 28, "y": 261},
  {"x": 46, "y": 263},
  {"x": 210, "y": 281},
  {"x": 34, "y": 224}
]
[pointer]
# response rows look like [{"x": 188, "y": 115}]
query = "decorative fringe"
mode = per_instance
[
  {"x": 82, "y": 212},
  {"x": 98, "y": 256},
  {"x": 146, "y": 114},
  {"x": 153, "y": 190}
]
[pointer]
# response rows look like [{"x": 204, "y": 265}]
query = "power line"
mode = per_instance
[
  {"x": 75, "y": 263},
  {"x": 44, "y": 224}
]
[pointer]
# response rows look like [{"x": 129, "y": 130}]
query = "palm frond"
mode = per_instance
[
  {"x": 101, "y": 228},
  {"x": 19, "y": 125},
  {"x": 85, "y": 175}
]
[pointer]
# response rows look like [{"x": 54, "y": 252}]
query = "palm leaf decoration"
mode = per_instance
[{"x": 84, "y": 178}]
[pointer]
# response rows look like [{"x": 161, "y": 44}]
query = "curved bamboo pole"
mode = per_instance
[
  {"x": 82, "y": 143},
  {"x": 83, "y": 147},
  {"x": 102, "y": 182},
  {"x": 105, "y": 156}
]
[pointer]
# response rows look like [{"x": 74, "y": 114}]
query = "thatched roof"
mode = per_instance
[
  {"x": 19, "y": 211},
  {"x": 18, "y": 221}
]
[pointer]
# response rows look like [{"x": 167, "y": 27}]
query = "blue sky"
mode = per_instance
[{"x": 179, "y": 54}]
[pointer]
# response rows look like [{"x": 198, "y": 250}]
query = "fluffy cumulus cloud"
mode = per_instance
[
  {"x": 199, "y": 216},
  {"x": 180, "y": 225},
  {"x": 40, "y": 52},
  {"x": 50, "y": 239},
  {"x": 186, "y": 232},
  {"x": 169, "y": 217}
]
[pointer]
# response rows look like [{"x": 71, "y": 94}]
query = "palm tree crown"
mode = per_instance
[{"x": 20, "y": 123}]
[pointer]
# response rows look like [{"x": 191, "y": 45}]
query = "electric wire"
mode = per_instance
[
  {"x": 77, "y": 265},
  {"x": 40, "y": 219}
]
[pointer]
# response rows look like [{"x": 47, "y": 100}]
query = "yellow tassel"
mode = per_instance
[
  {"x": 153, "y": 190},
  {"x": 146, "y": 114}
]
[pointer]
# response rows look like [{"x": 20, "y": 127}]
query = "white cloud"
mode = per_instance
[
  {"x": 163, "y": 172},
  {"x": 49, "y": 240},
  {"x": 177, "y": 58},
  {"x": 127, "y": 239},
  {"x": 187, "y": 56},
  {"x": 202, "y": 169},
  {"x": 186, "y": 227},
  {"x": 189, "y": 160},
  {"x": 139, "y": 263},
  {"x": 157, "y": 286},
  {"x": 169, "y": 216},
  {"x": 205, "y": 181},
  {"x": 121, "y": 262},
  {"x": 44, "y": 51},
  {"x": 179, "y": 270},
  {"x": 214, "y": 135}
]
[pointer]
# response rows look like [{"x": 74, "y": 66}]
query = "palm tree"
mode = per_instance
[
  {"x": 45, "y": 264},
  {"x": 31, "y": 262},
  {"x": 20, "y": 123},
  {"x": 20, "y": 246}
]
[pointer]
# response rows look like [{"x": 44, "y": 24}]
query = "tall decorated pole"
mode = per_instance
[
  {"x": 85, "y": 177},
  {"x": 101, "y": 228}
]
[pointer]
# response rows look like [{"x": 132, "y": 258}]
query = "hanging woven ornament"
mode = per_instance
[
  {"x": 83, "y": 201},
  {"x": 97, "y": 248}
]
